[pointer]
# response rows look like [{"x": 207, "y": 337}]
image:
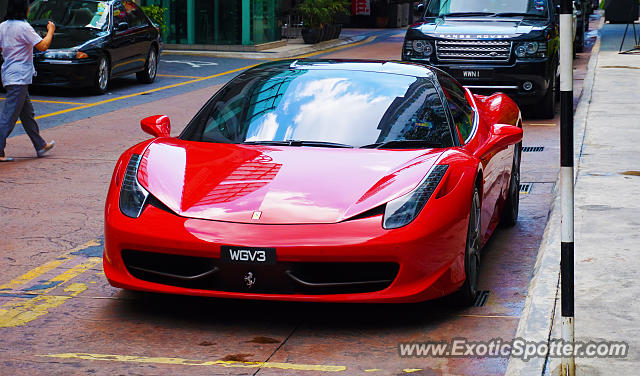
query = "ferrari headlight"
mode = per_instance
[
  {"x": 401, "y": 211},
  {"x": 132, "y": 195}
]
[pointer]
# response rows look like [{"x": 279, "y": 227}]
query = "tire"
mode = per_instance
[
  {"x": 148, "y": 75},
  {"x": 548, "y": 103},
  {"x": 578, "y": 43},
  {"x": 103, "y": 76},
  {"x": 466, "y": 296},
  {"x": 509, "y": 216}
]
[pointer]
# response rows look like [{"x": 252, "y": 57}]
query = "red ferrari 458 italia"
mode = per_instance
[{"x": 318, "y": 180}]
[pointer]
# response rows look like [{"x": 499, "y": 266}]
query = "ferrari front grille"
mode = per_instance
[{"x": 310, "y": 278}]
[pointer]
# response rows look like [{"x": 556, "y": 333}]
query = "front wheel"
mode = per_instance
[
  {"x": 101, "y": 83},
  {"x": 548, "y": 103},
  {"x": 466, "y": 296},
  {"x": 148, "y": 75},
  {"x": 509, "y": 216}
]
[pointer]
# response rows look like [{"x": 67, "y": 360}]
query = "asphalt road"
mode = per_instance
[{"x": 58, "y": 315}]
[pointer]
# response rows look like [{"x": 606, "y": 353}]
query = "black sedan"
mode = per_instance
[{"x": 94, "y": 42}]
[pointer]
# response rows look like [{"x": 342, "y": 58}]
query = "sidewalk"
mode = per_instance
[
  {"x": 607, "y": 223},
  {"x": 295, "y": 47}
]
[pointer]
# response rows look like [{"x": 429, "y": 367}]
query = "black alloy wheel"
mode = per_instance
[
  {"x": 509, "y": 216},
  {"x": 466, "y": 296}
]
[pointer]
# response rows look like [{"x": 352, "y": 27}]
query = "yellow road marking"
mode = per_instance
[
  {"x": 21, "y": 311},
  {"x": 189, "y": 362},
  {"x": 411, "y": 370},
  {"x": 177, "y": 76},
  {"x": 55, "y": 102},
  {"x": 40, "y": 270},
  {"x": 89, "y": 105},
  {"x": 198, "y": 79},
  {"x": 373, "y": 370}
]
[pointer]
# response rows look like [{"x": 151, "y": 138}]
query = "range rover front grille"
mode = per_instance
[{"x": 473, "y": 50}]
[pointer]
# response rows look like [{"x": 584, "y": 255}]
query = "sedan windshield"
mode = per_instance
[
  {"x": 70, "y": 13},
  {"x": 443, "y": 8},
  {"x": 324, "y": 108}
]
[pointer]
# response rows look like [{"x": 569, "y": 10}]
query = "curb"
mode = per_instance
[
  {"x": 536, "y": 321},
  {"x": 304, "y": 49}
]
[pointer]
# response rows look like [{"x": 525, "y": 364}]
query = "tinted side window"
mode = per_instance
[
  {"x": 460, "y": 108},
  {"x": 119, "y": 14},
  {"x": 134, "y": 14}
]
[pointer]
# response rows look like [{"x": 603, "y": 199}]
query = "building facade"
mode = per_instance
[{"x": 220, "y": 22}]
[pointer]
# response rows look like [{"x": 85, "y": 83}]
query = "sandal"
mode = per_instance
[{"x": 6, "y": 159}]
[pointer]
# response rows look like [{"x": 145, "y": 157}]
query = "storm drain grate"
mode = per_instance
[
  {"x": 526, "y": 187},
  {"x": 481, "y": 298},
  {"x": 530, "y": 149}
]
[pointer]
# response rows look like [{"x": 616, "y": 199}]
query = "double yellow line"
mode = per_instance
[{"x": 35, "y": 303}]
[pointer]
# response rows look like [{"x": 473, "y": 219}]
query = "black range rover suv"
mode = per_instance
[{"x": 492, "y": 45}]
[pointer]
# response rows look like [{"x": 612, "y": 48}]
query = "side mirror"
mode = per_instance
[
  {"x": 157, "y": 125},
  {"x": 502, "y": 135},
  {"x": 122, "y": 26},
  {"x": 419, "y": 10}
]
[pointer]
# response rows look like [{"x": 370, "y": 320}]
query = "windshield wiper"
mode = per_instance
[
  {"x": 515, "y": 14},
  {"x": 467, "y": 14},
  {"x": 403, "y": 144},
  {"x": 299, "y": 143}
]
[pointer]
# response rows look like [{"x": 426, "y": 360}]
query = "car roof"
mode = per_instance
[{"x": 375, "y": 66}]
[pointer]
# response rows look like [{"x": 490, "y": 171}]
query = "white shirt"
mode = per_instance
[{"x": 17, "y": 39}]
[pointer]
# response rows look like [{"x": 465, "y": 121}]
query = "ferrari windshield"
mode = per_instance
[
  {"x": 440, "y": 8},
  {"x": 70, "y": 13},
  {"x": 322, "y": 107}
]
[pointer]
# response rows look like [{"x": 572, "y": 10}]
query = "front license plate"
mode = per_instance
[
  {"x": 473, "y": 73},
  {"x": 247, "y": 255}
]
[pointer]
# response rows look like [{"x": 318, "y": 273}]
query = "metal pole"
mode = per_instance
[{"x": 568, "y": 366}]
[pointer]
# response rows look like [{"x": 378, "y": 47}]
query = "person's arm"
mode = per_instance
[{"x": 44, "y": 44}]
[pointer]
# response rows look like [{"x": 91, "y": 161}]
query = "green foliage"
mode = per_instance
[
  {"x": 156, "y": 14},
  {"x": 316, "y": 13}
]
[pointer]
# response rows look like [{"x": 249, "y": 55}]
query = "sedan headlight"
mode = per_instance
[
  {"x": 401, "y": 211},
  {"x": 66, "y": 54},
  {"x": 132, "y": 195},
  {"x": 531, "y": 49}
]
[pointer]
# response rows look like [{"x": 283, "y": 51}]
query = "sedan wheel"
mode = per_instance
[
  {"x": 102, "y": 76},
  {"x": 148, "y": 75},
  {"x": 466, "y": 296}
]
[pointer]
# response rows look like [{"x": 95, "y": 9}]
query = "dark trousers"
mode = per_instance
[{"x": 18, "y": 104}]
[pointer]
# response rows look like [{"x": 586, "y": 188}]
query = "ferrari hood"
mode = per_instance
[{"x": 277, "y": 185}]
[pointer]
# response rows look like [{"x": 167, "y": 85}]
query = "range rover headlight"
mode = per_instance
[
  {"x": 403, "y": 210},
  {"x": 531, "y": 49},
  {"x": 132, "y": 195},
  {"x": 419, "y": 48}
]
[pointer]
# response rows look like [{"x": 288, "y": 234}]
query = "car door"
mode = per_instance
[
  {"x": 122, "y": 39},
  {"x": 140, "y": 30}
]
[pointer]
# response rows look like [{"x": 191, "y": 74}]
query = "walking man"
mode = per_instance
[{"x": 17, "y": 40}]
